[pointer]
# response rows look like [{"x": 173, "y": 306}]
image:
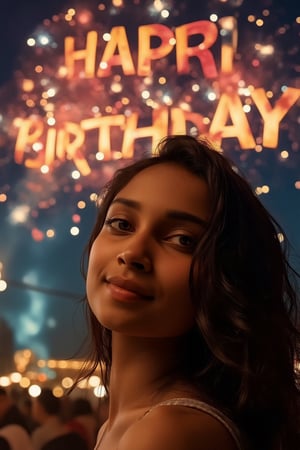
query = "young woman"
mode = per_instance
[{"x": 192, "y": 308}]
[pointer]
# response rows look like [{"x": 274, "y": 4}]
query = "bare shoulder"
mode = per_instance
[{"x": 177, "y": 428}]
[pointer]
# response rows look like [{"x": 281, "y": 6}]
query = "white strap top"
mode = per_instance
[
  {"x": 197, "y": 404},
  {"x": 205, "y": 407}
]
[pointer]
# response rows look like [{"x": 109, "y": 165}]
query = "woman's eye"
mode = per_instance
[
  {"x": 119, "y": 224},
  {"x": 183, "y": 240}
]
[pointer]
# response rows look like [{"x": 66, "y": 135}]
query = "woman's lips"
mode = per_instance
[{"x": 126, "y": 290}]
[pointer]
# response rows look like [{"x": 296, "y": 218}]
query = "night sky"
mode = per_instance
[{"x": 39, "y": 257}]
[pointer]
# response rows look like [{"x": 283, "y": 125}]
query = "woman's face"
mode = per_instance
[{"x": 138, "y": 272}]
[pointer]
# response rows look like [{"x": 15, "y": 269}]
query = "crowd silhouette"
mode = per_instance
[{"x": 47, "y": 422}]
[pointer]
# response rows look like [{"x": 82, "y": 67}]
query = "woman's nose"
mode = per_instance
[{"x": 141, "y": 263}]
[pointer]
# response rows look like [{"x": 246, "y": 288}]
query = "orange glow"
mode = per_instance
[
  {"x": 69, "y": 140},
  {"x": 118, "y": 42},
  {"x": 230, "y": 107},
  {"x": 273, "y": 116},
  {"x": 209, "y": 31},
  {"x": 37, "y": 234},
  {"x": 117, "y": 51}
]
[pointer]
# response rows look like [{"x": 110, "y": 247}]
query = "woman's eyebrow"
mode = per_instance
[
  {"x": 171, "y": 214},
  {"x": 127, "y": 202},
  {"x": 188, "y": 217}
]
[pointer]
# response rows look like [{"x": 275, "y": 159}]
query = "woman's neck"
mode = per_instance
[{"x": 142, "y": 370}]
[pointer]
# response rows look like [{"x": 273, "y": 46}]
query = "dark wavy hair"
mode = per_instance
[{"x": 244, "y": 347}]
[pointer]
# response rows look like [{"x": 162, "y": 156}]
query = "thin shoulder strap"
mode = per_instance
[
  {"x": 205, "y": 407},
  {"x": 190, "y": 403}
]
